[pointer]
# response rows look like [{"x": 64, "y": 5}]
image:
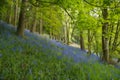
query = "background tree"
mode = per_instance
[{"x": 20, "y": 28}]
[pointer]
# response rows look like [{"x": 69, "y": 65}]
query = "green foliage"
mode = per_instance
[
  {"x": 52, "y": 18},
  {"x": 3, "y": 7},
  {"x": 3, "y": 3},
  {"x": 116, "y": 53}
]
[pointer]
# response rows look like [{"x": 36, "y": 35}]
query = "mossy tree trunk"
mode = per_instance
[{"x": 105, "y": 39}]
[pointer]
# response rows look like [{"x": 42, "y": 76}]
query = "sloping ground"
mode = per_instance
[
  {"x": 35, "y": 57},
  {"x": 40, "y": 43}
]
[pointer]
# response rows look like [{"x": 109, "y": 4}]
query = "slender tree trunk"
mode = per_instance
[
  {"x": 27, "y": 24},
  {"x": 89, "y": 41},
  {"x": 72, "y": 31},
  {"x": 33, "y": 27},
  {"x": 96, "y": 43},
  {"x": 82, "y": 45},
  {"x": 68, "y": 35},
  {"x": 65, "y": 34},
  {"x": 66, "y": 29},
  {"x": 20, "y": 28},
  {"x": 50, "y": 33},
  {"x": 110, "y": 39},
  {"x": 116, "y": 36},
  {"x": 41, "y": 26},
  {"x": 15, "y": 12},
  {"x": 105, "y": 40},
  {"x": 9, "y": 15}
]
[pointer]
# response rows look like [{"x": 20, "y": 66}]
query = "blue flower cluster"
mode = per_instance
[{"x": 37, "y": 43}]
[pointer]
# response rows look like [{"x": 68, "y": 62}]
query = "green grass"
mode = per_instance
[{"x": 39, "y": 66}]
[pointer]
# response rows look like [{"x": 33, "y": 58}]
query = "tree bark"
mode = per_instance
[
  {"x": 82, "y": 45},
  {"x": 105, "y": 40},
  {"x": 20, "y": 28}
]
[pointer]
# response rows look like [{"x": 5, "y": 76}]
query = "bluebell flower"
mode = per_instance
[
  {"x": 0, "y": 55},
  {"x": 14, "y": 49},
  {"x": 20, "y": 49},
  {"x": 38, "y": 43},
  {"x": 34, "y": 62},
  {"x": 30, "y": 71}
]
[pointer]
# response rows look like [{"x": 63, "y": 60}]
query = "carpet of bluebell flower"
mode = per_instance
[{"x": 35, "y": 57}]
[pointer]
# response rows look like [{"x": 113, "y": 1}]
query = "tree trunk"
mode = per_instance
[
  {"x": 111, "y": 37},
  {"x": 89, "y": 41},
  {"x": 41, "y": 26},
  {"x": 33, "y": 27},
  {"x": 105, "y": 40},
  {"x": 68, "y": 41},
  {"x": 50, "y": 33},
  {"x": 82, "y": 45},
  {"x": 20, "y": 28},
  {"x": 96, "y": 48},
  {"x": 15, "y": 12},
  {"x": 72, "y": 31},
  {"x": 9, "y": 15},
  {"x": 116, "y": 36},
  {"x": 65, "y": 34}
]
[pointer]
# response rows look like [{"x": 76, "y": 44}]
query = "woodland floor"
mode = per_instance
[{"x": 11, "y": 44}]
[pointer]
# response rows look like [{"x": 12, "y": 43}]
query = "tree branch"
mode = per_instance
[
  {"x": 37, "y": 4},
  {"x": 116, "y": 6},
  {"x": 91, "y": 4},
  {"x": 67, "y": 12}
]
